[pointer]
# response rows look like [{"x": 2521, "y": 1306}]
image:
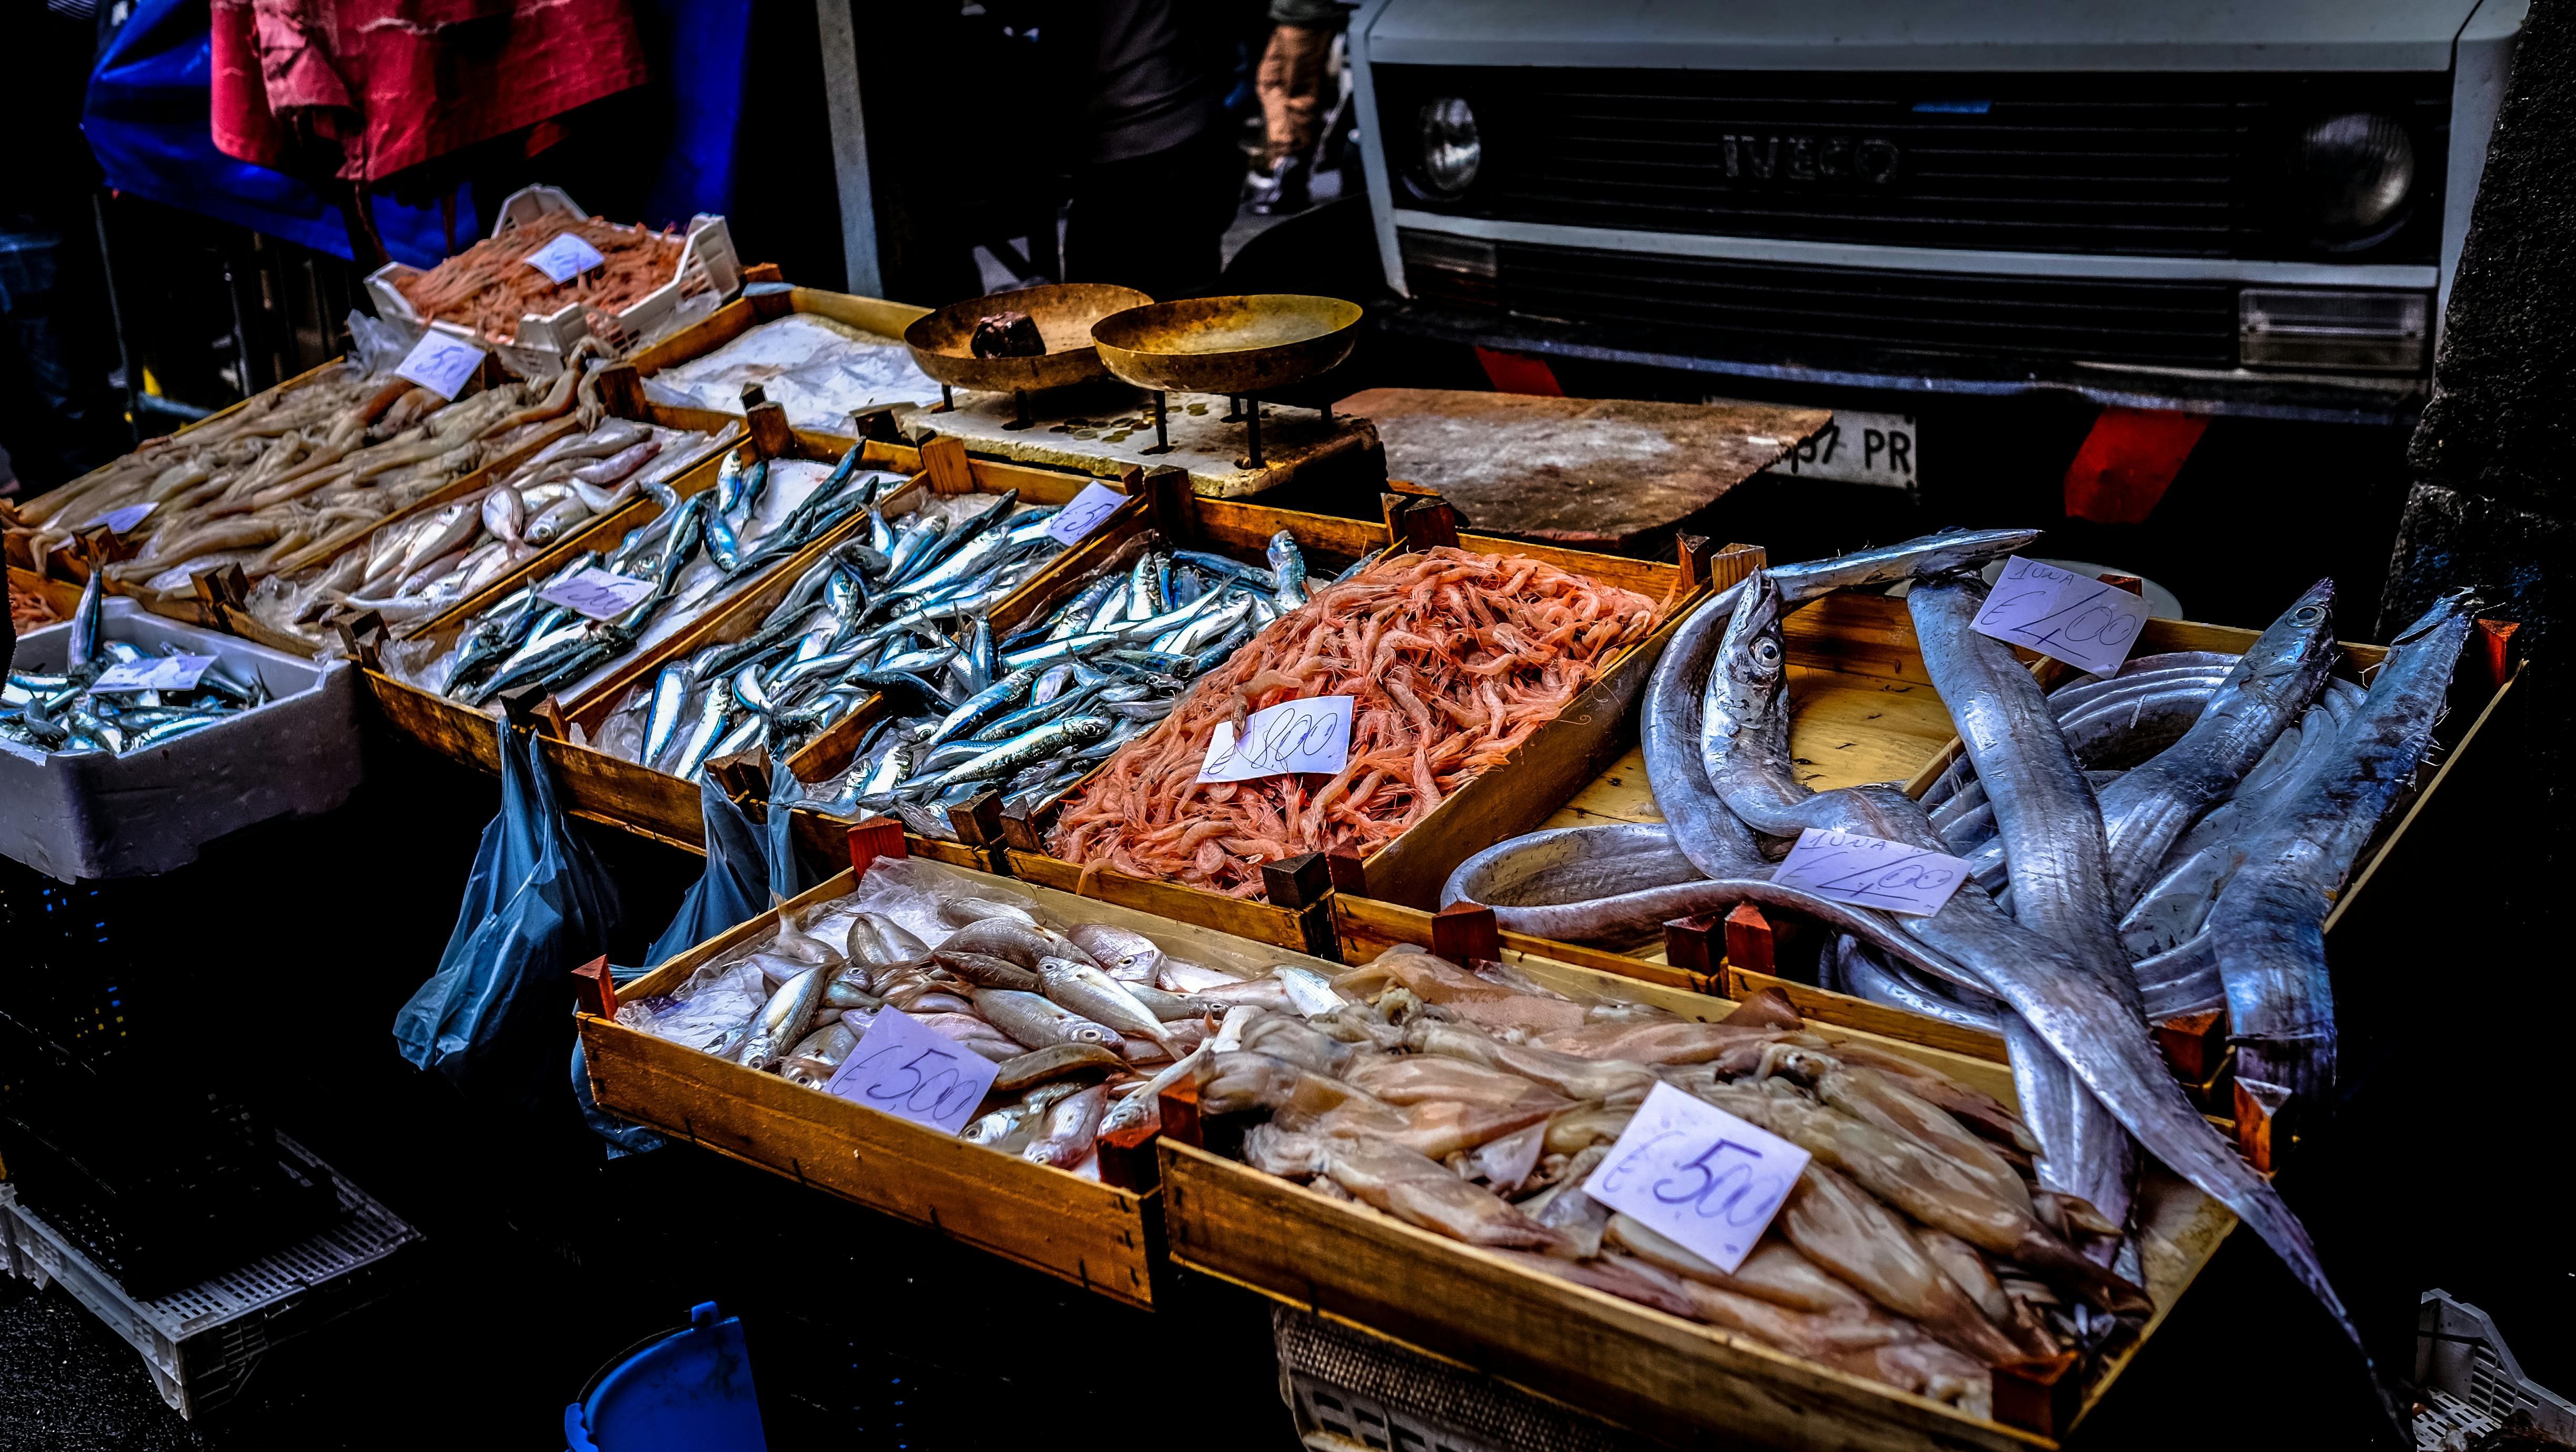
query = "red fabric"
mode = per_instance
[
  {"x": 2128, "y": 462},
  {"x": 1519, "y": 373},
  {"x": 394, "y": 83}
]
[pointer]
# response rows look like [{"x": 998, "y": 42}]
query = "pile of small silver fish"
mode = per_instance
[
  {"x": 2227, "y": 800},
  {"x": 524, "y": 641},
  {"x": 1061, "y": 696},
  {"x": 417, "y": 567},
  {"x": 866, "y": 618},
  {"x": 58, "y": 711},
  {"x": 1914, "y": 1249},
  {"x": 1088, "y": 1022}
]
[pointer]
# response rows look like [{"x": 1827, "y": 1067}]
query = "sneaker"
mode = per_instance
[{"x": 1282, "y": 190}]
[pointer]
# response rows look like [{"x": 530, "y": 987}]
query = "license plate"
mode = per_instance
[{"x": 1857, "y": 448}]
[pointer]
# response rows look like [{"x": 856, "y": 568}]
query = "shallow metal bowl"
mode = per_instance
[
  {"x": 942, "y": 340},
  {"x": 1230, "y": 345}
]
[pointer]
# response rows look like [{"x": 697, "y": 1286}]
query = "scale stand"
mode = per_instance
[
  {"x": 1251, "y": 408},
  {"x": 1020, "y": 410},
  {"x": 1162, "y": 424}
]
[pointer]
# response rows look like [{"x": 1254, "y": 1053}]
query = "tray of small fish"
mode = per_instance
[
  {"x": 1412, "y": 1159},
  {"x": 1487, "y": 674},
  {"x": 1087, "y": 1011},
  {"x": 127, "y": 740}
]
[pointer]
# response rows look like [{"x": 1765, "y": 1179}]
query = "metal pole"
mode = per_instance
[{"x": 840, "y": 42}]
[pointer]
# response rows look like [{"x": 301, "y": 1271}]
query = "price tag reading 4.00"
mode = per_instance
[
  {"x": 1699, "y": 1175},
  {"x": 907, "y": 1070},
  {"x": 1870, "y": 872},
  {"x": 2062, "y": 615},
  {"x": 1309, "y": 735},
  {"x": 1095, "y": 503}
]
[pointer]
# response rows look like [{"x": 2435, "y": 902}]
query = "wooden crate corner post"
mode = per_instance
[
  {"x": 874, "y": 838},
  {"x": 2040, "y": 1395},
  {"x": 594, "y": 990},
  {"x": 1466, "y": 933}
]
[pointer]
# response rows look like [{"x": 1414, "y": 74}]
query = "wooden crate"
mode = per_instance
[
  {"x": 1498, "y": 803},
  {"x": 1102, "y": 1237},
  {"x": 1864, "y": 710},
  {"x": 1658, "y": 1374},
  {"x": 765, "y": 299}
]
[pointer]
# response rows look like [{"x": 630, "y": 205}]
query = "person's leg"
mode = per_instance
[
  {"x": 1303, "y": 83},
  {"x": 1278, "y": 63}
]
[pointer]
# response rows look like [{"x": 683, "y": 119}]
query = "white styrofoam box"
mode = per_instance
[
  {"x": 94, "y": 814},
  {"x": 541, "y": 344}
]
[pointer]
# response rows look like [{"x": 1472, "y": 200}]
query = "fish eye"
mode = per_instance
[
  {"x": 2310, "y": 614},
  {"x": 1767, "y": 651}
]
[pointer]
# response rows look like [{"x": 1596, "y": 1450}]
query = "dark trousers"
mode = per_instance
[{"x": 1155, "y": 223}]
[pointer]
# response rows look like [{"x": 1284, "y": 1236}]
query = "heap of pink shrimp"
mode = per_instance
[{"x": 1454, "y": 659}]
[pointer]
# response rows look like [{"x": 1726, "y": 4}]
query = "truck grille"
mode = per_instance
[
  {"x": 2158, "y": 163},
  {"x": 1828, "y": 316}
]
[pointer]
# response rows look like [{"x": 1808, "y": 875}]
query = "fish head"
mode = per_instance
[
  {"x": 1752, "y": 663},
  {"x": 2300, "y": 643},
  {"x": 1122, "y": 952},
  {"x": 1083, "y": 730}
]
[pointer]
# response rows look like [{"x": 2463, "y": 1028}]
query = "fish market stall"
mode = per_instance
[
  {"x": 1051, "y": 1166},
  {"x": 1500, "y": 766}
]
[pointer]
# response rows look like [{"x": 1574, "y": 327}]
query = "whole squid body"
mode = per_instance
[
  {"x": 2098, "y": 1034},
  {"x": 2268, "y": 925}
]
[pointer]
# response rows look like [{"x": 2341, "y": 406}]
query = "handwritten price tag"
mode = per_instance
[
  {"x": 907, "y": 1070},
  {"x": 1095, "y": 503},
  {"x": 1309, "y": 735},
  {"x": 440, "y": 363},
  {"x": 160, "y": 673},
  {"x": 1871, "y": 872},
  {"x": 565, "y": 258},
  {"x": 124, "y": 519},
  {"x": 2062, "y": 615},
  {"x": 597, "y": 593},
  {"x": 1699, "y": 1175}
]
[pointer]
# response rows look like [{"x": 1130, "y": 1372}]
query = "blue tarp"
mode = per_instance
[{"x": 147, "y": 118}]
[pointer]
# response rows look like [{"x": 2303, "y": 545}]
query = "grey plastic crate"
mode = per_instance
[
  {"x": 201, "y": 1344},
  {"x": 2471, "y": 1383},
  {"x": 1353, "y": 1391}
]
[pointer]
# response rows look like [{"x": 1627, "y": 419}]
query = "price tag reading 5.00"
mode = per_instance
[
  {"x": 2062, "y": 615},
  {"x": 907, "y": 1070},
  {"x": 1698, "y": 1175},
  {"x": 1309, "y": 735},
  {"x": 440, "y": 363},
  {"x": 1095, "y": 503}
]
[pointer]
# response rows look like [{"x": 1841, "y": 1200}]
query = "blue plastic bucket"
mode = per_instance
[{"x": 688, "y": 1392}]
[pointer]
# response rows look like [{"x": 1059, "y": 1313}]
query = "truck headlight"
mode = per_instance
[
  {"x": 2351, "y": 177},
  {"x": 1451, "y": 150}
]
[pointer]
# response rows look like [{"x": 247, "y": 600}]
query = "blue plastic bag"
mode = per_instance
[{"x": 538, "y": 904}]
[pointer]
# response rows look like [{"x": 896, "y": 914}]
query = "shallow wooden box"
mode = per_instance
[
  {"x": 1666, "y": 1377},
  {"x": 1501, "y": 801},
  {"x": 1863, "y": 710},
  {"x": 1099, "y": 1236}
]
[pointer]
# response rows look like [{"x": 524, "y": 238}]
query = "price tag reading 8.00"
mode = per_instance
[
  {"x": 1698, "y": 1175},
  {"x": 1312, "y": 735},
  {"x": 1095, "y": 503},
  {"x": 2063, "y": 615},
  {"x": 1870, "y": 872},
  {"x": 910, "y": 1071}
]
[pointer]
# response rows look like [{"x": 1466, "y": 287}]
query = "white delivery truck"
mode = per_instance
[{"x": 2222, "y": 207}]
